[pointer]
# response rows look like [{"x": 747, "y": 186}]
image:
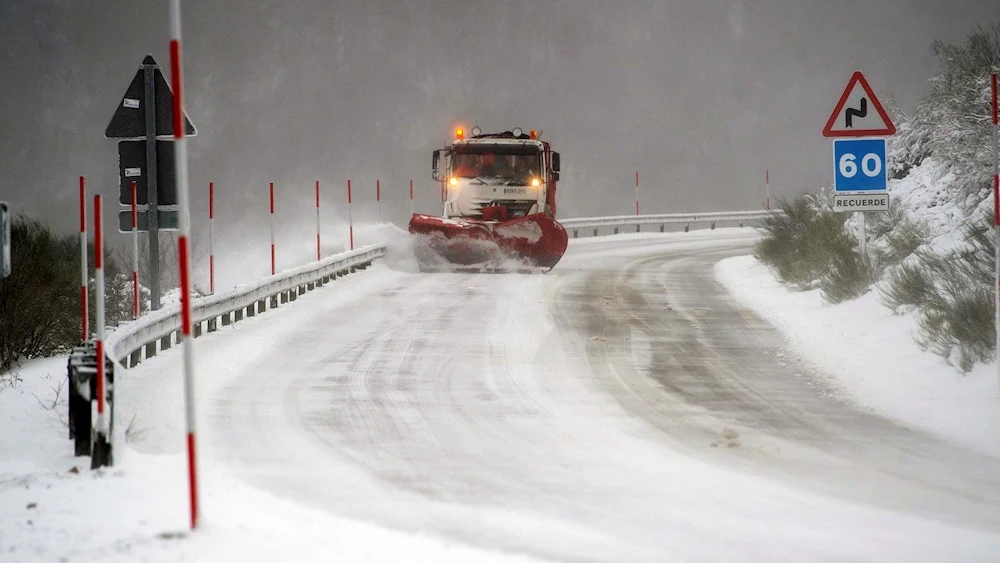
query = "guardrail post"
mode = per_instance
[
  {"x": 661, "y": 227},
  {"x": 574, "y": 233},
  {"x": 165, "y": 342},
  {"x": 213, "y": 324},
  {"x": 135, "y": 357},
  {"x": 638, "y": 228},
  {"x": 713, "y": 225},
  {"x": 595, "y": 231},
  {"x": 687, "y": 227},
  {"x": 616, "y": 230},
  {"x": 226, "y": 319},
  {"x": 274, "y": 301},
  {"x": 196, "y": 329},
  {"x": 238, "y": 315},
  {"x": 741, "y": 224}
]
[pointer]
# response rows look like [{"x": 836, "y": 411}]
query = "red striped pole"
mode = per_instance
[
  {"x": 83, "y": 258},
  {"x": 350, "y": 217},
  {"x": 102, "y": 422},
  {"x": 767, "y": 189},
  {"x": 637, "y": 193},
  {"x": 183, "y": 251},
  {"x": 996, "y": 226},
  {"x": 411, "y": 196},
  {"x": 378, "y": 201},
  {"x": 317, "y": 221},
  {"x": 135, "y": 256},
  {"x": 272, "y": 228},
  {"x": 211, "y": 237}
]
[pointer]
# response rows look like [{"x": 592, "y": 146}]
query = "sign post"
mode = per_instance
[
  {"x": 144, "y": 115},
  {"x": 859, "y": 151},
  {"x": 83, "y": 259}
]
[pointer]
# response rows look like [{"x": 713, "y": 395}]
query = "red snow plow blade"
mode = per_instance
[{"x": 534, "y": 241}]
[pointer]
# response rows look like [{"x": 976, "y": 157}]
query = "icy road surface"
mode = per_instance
[{"x": 620, "y": 408}]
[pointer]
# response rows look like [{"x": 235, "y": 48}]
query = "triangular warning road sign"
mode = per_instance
[
  {"x": 129, "y": 121},
  {"x": 852, "y": 117}
]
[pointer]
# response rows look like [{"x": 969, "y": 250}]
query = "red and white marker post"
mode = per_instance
[
  {"x": 996, "y": 225},
  {"x": 180, "y": 152},
  {"x": 272, "y": 227},
  {"x": 378, "y": 201},
  {"x": 135, "y": 257},
  {"x": 100, "y": 456},
  {"x": 767, "y": 189},
  {"x": 350, "y": 217},
  {"x": 83, "y": 259},
  {"x": 411, "y": 196},
  {"x": 317, "y": 222},
  {"x": 211, "y": 237},
  {"x": 636, "y": 193}
]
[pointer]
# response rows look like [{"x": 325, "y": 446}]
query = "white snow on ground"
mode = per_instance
[
  {"x": 871, "y": 356},
  {"x": 53, "y": 508}
]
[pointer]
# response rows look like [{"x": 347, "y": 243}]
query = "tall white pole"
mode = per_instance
[
  {"x": 102, "y": 420},
  {"x": 318, "y": 256},
  {"x": 350, "y": 217},
  {"x": 211, "y": 237},
  {"x": 996, "y": 230},
  {"x": 637, "y": 193},
  {"x": 271, "y": 189},
  {"x": 83, "y": 259},
  {"x": 184, "y": 252},
  {"x": 767, "y": 189}
]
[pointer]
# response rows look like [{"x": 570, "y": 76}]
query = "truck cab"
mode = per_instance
[{"x": 497, "y": 176}]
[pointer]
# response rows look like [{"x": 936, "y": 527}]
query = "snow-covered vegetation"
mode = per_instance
[{"x": 932, "y": 253}]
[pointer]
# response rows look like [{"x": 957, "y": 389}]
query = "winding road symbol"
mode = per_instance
[{"x": 851, "y": 112}]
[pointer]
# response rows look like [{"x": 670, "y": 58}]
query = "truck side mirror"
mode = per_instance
[
  {"x": 555, "y": 161},
  {"x": 4, "y": 240},
  {"x": 434, "y": 165}
]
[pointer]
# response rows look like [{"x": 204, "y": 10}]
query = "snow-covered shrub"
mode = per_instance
[
  {"x": 850, "y": 276},
  {"x": 953, "y": 123},
  {"x": 952, "y": 295},
  {"x": 800, "y": 244}
]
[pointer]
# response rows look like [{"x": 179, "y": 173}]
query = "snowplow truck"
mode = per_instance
[{"x": 499, "y": 197}]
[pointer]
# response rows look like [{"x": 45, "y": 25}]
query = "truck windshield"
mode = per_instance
[{"x": 498, "y": 166}]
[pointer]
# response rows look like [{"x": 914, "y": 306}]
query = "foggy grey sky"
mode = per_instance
[{"x": 699, "y": 96}]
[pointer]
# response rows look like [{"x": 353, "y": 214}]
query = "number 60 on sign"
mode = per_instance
[{"x": 859, "y": 165}]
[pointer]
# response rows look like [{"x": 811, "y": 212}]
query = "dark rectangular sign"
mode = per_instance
[
  {"x": 169, "y": 221},
  {"x": 132, "y": 167}
]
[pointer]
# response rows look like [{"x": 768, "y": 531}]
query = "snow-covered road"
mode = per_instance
[{"x": 621, "y": 408}]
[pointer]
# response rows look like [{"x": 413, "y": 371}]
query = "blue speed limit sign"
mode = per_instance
[{"x": 859, "y": 165}]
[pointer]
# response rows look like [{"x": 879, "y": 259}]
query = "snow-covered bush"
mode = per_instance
[
  {"x": 801, "y": 244},
  {"x": 952, "y": 296}
]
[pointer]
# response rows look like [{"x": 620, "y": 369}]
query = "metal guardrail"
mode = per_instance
[
  {"x": 161, "y": 329},
  {"x": 639, "y": 220}
]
